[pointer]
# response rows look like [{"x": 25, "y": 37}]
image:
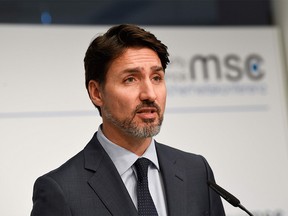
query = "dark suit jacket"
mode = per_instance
[{"x": 89, "y": 185}]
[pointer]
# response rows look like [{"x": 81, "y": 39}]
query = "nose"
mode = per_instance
[{"x": 147, "y": 91}]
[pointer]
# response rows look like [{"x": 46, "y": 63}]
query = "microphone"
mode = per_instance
[{"x": 227, "y": 196}]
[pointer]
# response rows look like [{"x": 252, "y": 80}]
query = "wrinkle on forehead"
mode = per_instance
[{"x": 138, "y": 59}]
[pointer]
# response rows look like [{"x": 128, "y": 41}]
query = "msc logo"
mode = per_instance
[{"x": 232, "y": 68}]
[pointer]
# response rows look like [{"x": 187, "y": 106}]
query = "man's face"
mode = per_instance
[{"x": 134, "y": 95}]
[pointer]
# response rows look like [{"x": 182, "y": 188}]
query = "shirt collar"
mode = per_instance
[{"x": 122, "y": 158}]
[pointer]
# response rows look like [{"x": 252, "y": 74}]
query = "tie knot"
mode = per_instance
[{"x": 141, "y": 166}]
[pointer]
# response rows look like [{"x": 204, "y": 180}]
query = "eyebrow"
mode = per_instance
[
  {"x": 138, "y": 69},
  {"x": 157, "y": 68}
]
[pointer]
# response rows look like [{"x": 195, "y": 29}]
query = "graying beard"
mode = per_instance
[{"x": 132, "y": 129}]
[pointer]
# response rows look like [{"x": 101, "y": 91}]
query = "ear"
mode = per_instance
[{"x": 95, "y": 92}]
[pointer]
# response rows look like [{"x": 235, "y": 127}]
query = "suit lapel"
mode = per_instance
[
  {"x": 106, "y": 182},
  {"x": 174, "y": 182}
]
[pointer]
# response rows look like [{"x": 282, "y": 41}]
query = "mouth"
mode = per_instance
[{"x": 147, "y": 112}]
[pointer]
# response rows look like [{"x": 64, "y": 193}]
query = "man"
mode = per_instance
[{"x": 125, "y": 79}]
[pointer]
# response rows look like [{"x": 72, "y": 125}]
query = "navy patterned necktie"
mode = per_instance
[{"x": 146, "y": 205}]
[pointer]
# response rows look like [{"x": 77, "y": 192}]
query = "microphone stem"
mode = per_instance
[{"x": 244, "y": 209}]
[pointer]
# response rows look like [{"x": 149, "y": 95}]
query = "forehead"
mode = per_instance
[{"x": 137, "y": 56}]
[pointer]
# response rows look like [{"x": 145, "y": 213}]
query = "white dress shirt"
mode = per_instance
[{"x": 124, "y": 159}]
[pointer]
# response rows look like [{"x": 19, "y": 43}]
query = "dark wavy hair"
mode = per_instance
[{"x": 105, "y": 48}]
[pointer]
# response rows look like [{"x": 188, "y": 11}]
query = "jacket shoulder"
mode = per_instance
[{"x": 177, "y": 153}]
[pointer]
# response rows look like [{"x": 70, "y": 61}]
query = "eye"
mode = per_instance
[
  {"x": 157, "y": 78},
  {"x": 129, "y": 80}
]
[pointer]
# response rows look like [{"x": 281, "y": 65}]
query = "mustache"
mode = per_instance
[{"x": 146, "y": 104}]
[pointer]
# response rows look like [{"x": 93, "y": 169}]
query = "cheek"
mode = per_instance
[
  {"x": 163, "y": 105},
  {"x": 162, "y": 97},
  {"x": 120, "y": 104}
]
